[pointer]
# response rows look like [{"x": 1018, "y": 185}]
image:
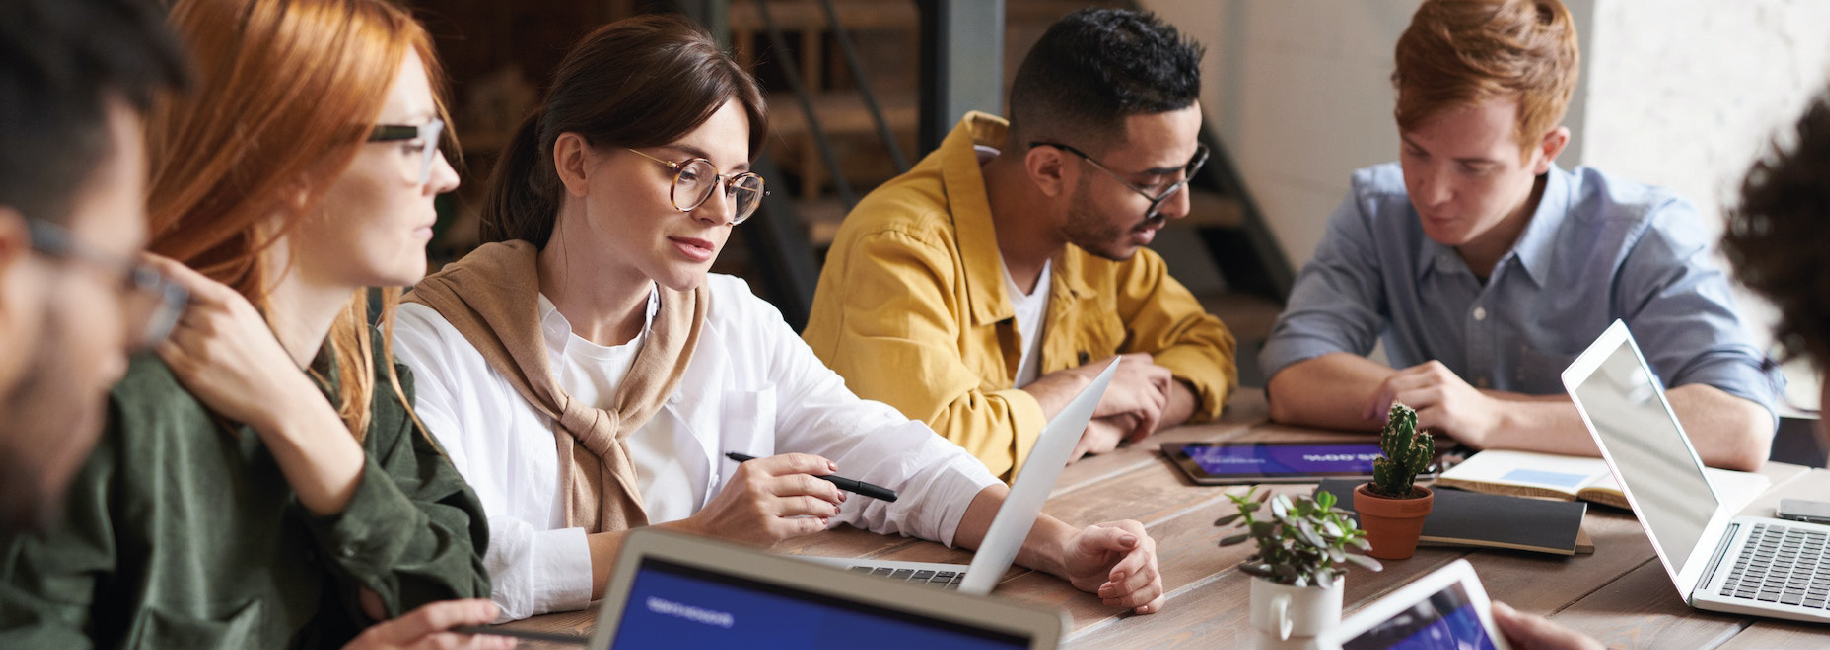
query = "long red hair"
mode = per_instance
[{"x": 288, "y": 92}]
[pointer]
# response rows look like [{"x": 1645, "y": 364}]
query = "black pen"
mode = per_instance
[
  {"x": 851, "y": 485},
  {"x": 529, "y": 635}
]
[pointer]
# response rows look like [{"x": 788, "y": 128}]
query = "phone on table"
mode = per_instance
[
  {"x": 1235, "y": 463},
  {"x": 1816, "y": 512}
]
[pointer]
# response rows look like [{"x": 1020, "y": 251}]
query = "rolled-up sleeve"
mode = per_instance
[
  {"x": 1337, "y": 303},
  {"x": 1679, "y": 305},
  {"x": 1163, "y": 318}
]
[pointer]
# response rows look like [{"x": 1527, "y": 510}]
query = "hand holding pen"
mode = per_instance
[
  {"x": 771, "y": 499},
  {"x": 851, "y": 485}
]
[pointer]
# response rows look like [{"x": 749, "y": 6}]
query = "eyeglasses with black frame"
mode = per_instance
[
  {"x": 154, "y": 301},
  {"x": 696, "y": 179},
  {"x": 420, "y": 138},
  {"x": 1156, "y": 200}
]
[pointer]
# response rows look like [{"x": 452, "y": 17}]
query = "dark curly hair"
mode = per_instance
[
  {"x": 1095, "y": 67},
  {"x": 1776, "y": 237}
]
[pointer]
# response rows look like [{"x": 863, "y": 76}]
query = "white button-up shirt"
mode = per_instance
[{"x": 752, "y": 386}]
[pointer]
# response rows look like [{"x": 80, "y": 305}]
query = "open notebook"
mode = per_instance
[{"x": 1568, "y": 478}]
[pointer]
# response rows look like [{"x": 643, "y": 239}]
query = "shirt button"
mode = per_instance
[{"x": 1480, "y": 313}]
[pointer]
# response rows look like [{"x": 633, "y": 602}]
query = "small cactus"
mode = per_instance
[{"x": 1407, "y": 454}]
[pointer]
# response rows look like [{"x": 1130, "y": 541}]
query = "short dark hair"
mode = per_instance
[
  {"x": 60, "y": 63},
  {"x": 1775, "y": 237},
  {"x": 638, "y": 82},
  {"x": 1096, "y": 67}
]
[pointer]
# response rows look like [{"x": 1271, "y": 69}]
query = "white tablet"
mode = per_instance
[{"x": 1446, "y": 609}]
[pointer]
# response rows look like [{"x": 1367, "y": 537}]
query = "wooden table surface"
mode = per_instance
[{"x": 1620, "y": 594}]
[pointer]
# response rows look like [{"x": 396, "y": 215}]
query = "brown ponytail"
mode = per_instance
[{"x": 640, "y": 82}]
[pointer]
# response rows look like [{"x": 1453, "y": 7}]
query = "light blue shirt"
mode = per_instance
[{"x": 1597, "y": 248}]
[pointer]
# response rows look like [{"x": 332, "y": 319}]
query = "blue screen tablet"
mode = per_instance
[{"x": 1272, "y": 462}]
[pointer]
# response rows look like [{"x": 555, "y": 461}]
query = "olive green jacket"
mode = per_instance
[{"x": 179, "y": 534}]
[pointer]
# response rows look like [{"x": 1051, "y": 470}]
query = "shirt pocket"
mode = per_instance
[
  {"x": 746, "y": 422},
  {"x": 1540, "y": 372},
  {"x": 229, "y": 626}
]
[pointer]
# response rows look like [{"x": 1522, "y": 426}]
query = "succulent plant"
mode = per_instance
[
  {"x": 1408, "y": 452},
  {"x": 1306, "y": 541}
]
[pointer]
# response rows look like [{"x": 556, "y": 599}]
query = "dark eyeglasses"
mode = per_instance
[
  {"x": 1156, "y": 200},
  {"x": 696, "y": 179},
  {"x": 153, "y": 301},
  {"x": 422, "y": 139}
]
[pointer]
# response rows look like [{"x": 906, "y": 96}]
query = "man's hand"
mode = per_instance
[
  {"x": 1103, "y": 435},
  {"x": 1139, "y": 389},
  {"x": 1443, "y": 402},
  {"x": 772, "y": 499},
  {"x": 1117, "y": 562},
  {"x": 428, "y": 628},
  {"x": 1533, "y": 632}
]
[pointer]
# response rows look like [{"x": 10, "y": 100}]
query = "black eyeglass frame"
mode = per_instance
[
  {"x": 431, "y": 132},
  {"x": 169, "y": 298},
  {"x": 719, "y": 179},
  {"x": 1156, "y": 200}
]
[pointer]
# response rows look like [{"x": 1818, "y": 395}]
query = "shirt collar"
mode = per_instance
[
  {"x": 977, "y": 238},
  {"x": 556, "y": 330},
  {"x": 970, "y": 208},
  {"x": 1534, "y": 247}
]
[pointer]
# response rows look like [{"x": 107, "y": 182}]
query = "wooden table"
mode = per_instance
[{"x": 1620, "y": 594}]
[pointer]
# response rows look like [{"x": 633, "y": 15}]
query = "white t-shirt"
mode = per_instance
[
  {"x": 591, "y": 373},
  {"x": 1032, "y": 309}
]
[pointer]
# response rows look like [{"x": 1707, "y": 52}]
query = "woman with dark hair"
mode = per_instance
[{"x": 589, "y": 327}]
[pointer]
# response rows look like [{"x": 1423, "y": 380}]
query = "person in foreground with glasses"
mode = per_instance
[
  {"x": 74, "y": 301},
  {"x": 261, "y": 482},
  {"x": 588, "y": 376},
  {"x": 1485, "y": 268},
  {"x": 979, "y": 291}
]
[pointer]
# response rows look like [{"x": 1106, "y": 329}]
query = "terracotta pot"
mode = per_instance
[
  {"x": 1392, "y": 525},
  {"x": 1287, "y": 616}
]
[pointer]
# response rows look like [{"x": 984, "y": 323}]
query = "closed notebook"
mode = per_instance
[
  {"x": 1555, "y": 476},
  {"x": 1493, "y": 521}
]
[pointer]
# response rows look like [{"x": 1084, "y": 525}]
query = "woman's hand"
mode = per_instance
[
  {"x": 428, "y": 628},
  {"x": 225, "y": 354},
  {"x": 772, "y": 499}
]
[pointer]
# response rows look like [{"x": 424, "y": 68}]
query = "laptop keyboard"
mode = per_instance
[
  {"x": 1781, "y": 564},
  {"x": 948, "y": 579}
]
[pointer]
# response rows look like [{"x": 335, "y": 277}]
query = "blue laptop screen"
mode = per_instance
[{"x": 676, "y": 606}]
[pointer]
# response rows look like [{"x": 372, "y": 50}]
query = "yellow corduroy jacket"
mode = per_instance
[{"x": 912, "y": 309}]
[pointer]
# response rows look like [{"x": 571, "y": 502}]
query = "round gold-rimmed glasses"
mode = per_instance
[{"x": 696, "y": 179}]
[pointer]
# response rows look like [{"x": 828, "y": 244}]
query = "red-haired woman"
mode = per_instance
[{"x": 263, "y": 483}]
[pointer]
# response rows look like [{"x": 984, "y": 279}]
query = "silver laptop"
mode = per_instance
[
  {"x": 679, "y": 591},
  {"x": 1005, "y": 537},
  {"x": 1746, "y": 565}
]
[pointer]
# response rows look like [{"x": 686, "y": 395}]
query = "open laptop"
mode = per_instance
[
  {"x": 1746, "y": 565},
  {"x": 1005, "y": 537},
  {"x": 679, "y": 591}
]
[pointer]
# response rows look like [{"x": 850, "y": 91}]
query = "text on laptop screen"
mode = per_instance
[
  {"x": 676, "y": 606},
  {"x": 1654, "y": 463},
  {"x": 1446, "y": 620}
]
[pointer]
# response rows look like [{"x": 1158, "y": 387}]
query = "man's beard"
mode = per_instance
[
  {"x": 1092, "y": 231},
  {"x": 50, "y": 425}
]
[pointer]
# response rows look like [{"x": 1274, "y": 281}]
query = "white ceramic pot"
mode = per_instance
[{"x": 1287, "y": 616}]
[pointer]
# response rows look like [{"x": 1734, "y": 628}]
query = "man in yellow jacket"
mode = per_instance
[{"x": 982, "y": 289}]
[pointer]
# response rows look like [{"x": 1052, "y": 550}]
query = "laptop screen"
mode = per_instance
[
  {"x": 1655, "y": 463},
  {"x": 676, "y": 606}
]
